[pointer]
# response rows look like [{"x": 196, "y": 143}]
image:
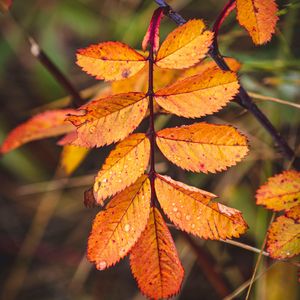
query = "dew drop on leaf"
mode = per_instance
[
  {"x": 175, "y": 208},
  {"x": 187, "y": 217},
  {"x": 92, "y": 129},
  {"x": 126, "y": 227},
  {"x": 101, "y": 265}
]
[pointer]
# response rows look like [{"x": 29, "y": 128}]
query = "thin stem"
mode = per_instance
[
  {"x": 43, "y": 58},
  {"x": 258, "y": 260},
  {"x": 242, "y": 98}
]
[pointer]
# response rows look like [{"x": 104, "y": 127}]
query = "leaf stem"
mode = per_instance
[
  {"x": 44, "y": 59},
  {"x": 243, "y": 99},
  {"x": 151, "y": 132}
]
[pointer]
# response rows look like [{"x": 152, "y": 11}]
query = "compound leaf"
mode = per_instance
[
  {"x": 109, "y": 119},
  {"x": 191, "y": 210},
  {"x": 199, "y": 95},
  {"x": 280, "y": 192},
  {"x": 185, "y": 46},
  {"x": 284, "y": 235},
  {"x": 124, "y": 165},
  {"x": 202, "y": 147},
  {"x": 117, "y": 228},
  {"x": 154, "y": 260},
  {"x": 110, "y": 61},
  {"x": 47, "y": 124},
  {"x": 259, "y": 17}
]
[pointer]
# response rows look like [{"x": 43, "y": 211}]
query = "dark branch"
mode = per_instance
[
  {"x": 42, "y": 57},
  {"x": 242, "y": 98}
]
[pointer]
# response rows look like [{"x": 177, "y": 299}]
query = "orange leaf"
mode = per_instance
[
  {"x": 202, "y": 67},
  {"x": 154, "y": 260},
  {"x": 284, "y": 235},
  {"x": 191, "y": 210},
  {"x": 185, "y": 46},
  {"x": 202, "y": 147},
  {"x": 258, "y": 17},
  {"x": 123, "y": 166},
  {"x": 110, "y": 119},
  {"x": 117, "y": 228},
  {"x": 71, "y": 158},
  {"x": 199, "y": 95},
  {"x": 139, "y": 82},
  {"x": 280, "y": 192},
  {"x": 110, "y": 61},
  {"x": 44, "y": 125}
]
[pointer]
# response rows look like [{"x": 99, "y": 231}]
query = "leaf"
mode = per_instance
[
  {"x": 191, "y": 210},
  {"x": 154, "y": 260},
  {"x": 259, "y": 17},
  {"x": 199, "y": 95},
  {"x": 139, "y": 82},
  {"x": 284, "y": 235},
  {"x": 110, "y": 119},
  {"x": 110, "y": 61},
  {"x": 202, "y": 147},
  {"x": 152, "y": 33},
  {"x": 123, "y": 166},
  {"x": 185, "y": 46},
  {"x": 280, "y": 192},
  {"x": 117, "y": 228},
  {"x": 5, "y": 5},
  {"x": 71, "y": 158},
  {"x": 202, "y": 67},
  {"x": 47, "y": 124}
]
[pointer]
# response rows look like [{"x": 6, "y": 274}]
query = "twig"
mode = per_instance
[
  {"x": 43, "y": 58},
  {"x": 242, "y": 287},
  {"x": 258, "y": 260},
  {"x": 242, "y": 98},
  {"x": 277, "y": 100}
]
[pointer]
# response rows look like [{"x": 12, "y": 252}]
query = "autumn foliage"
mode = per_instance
[{"x": 170, "y": 78}]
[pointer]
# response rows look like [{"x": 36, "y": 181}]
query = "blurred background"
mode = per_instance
[{"x": 43, "y": 223}]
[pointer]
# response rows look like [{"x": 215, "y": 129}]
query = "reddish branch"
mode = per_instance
[
  {"x": 242, "y": 98},
  {"x": 152, "y": 42}
]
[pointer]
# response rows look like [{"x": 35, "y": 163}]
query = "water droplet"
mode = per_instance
[
  {"x": 288, "y": 253},
  {"x": 173, "y": 203},
  {"x": 187, "y": 217},
  {"x": 193, "y": 225},
  {"x": 101, "y": 265},
  {"x": 92, "y": 129},
  {"x": 120, "y": 180},
  {"x": 175, "y": 208},
  {"x": 104, "y": 180},
  {"x": 122, "y": 251},
  {"x": 178, "y": 215},
  {"x": 126, "y": 227}
]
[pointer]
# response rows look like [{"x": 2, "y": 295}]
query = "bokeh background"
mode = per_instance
[{"x": 43, "y": 223}]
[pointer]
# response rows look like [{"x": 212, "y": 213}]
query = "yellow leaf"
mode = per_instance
[
  {"x": 154, "y": 261},
  {"x": 259, "y": 17},
  {"x": 199, "y": 95},
  {"x": 280, "y": 192},
  {"x": 191, "y": 210},
  {"x": 185, "y": 46},
  {"x": 110, "y": 61},
  {"x": 47, "y": 124},
  {"x": 71, "y": 157},
  {"x": 284, "y": 235},
  {"x": 139, "y": 82},
  {"x": 117, "y": 228},
  {"x": 109, "y": 120},
  {"x": 123, "y": 166},
  {"x": 202, "y": 147}
]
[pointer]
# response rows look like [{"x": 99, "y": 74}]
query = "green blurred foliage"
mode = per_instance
[{"x": 60, "y": 27}]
